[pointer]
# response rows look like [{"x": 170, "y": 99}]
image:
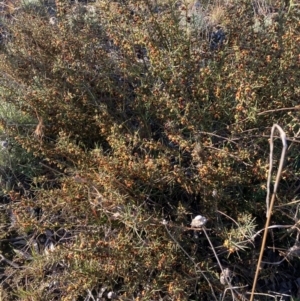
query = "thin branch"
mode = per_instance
[
  {"x": 191, "y": 259},
  {"x": 262, "y": 294},
  {"x": 220, "y": 265},
  {"x": 14, "y": 265},
  {"x": 266, "y": 136},
  {"x": 228, "y": 217},
  {"x": 284, "y": 143},
  {"x": 279, "y": 110},
  {"x": 230, "y": 155},
  {"x": 218, "y": 136},
  {"x": 270, "y": 227}
]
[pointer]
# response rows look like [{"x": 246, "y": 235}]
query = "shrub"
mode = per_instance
[{"x": 142, "y": 113}]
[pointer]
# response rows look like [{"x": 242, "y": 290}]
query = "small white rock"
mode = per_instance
[{"x": 198, "y": 221}]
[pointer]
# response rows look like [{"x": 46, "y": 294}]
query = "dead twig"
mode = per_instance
[
  {"x": 279, "y": 110},
  {"x": 269, "y": 204}
]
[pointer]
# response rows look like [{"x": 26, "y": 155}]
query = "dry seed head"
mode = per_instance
[
  {"x": 198, "y": 221},
  {"x": 111, "y": 295},
  {"x": 226, "y": 276}
]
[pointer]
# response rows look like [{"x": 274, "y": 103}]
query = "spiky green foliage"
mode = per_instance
[{"x": 141, "y": 114}]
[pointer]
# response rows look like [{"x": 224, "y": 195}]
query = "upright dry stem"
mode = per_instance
[{"x": 268, "y": 203}]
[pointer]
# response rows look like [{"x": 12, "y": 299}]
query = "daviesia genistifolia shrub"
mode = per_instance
[{"x": 142, "y": 111}]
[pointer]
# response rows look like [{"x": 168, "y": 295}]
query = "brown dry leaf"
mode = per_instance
[{"x": 39, "y": 130}]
